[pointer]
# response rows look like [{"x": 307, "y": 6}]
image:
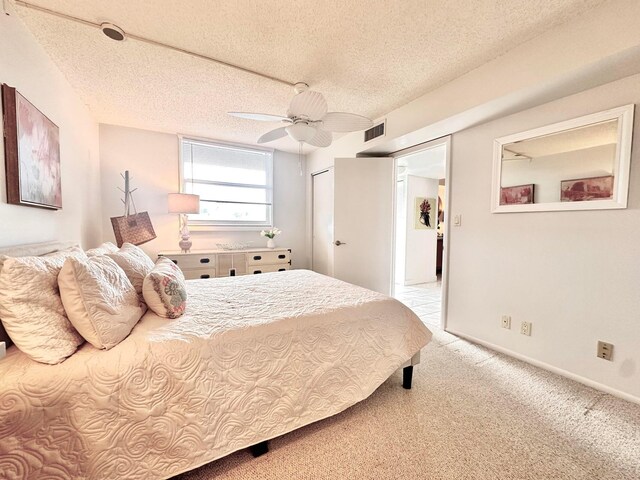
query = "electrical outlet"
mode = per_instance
[
  {"x": 506, "y": 321},
  {"x": 525, "y": 328},
  {"x": 605, "y": 350}
]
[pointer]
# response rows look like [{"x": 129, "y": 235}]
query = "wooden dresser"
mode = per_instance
[{"x": 225, "y": 263}]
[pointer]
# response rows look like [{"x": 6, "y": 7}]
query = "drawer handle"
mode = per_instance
[
  {"x": 257, "y": 257},
  {"x": 282, "y": 256},
  {"x": 205, "y": 276},
  {"x": 282, "y": 270},
  {"x": 257, "y": 271},
  {"x": 232, "y": 272},
  {"x": 204, "y": 260}
]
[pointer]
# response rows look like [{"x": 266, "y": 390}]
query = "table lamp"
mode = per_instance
[{"x": 184, "y": 203}]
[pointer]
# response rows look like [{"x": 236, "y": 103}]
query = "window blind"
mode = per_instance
[{"x": 235, "y": 183}]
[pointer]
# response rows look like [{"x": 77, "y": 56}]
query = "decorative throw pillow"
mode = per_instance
[
  {"x": 34, "y": 249},
  {"x": 99, "y": 300},
  {"x": 31, "y": 309},
  {"x": 106, "y": 247},
  {"x": 164, "y": 289},
  {"x": 135, "y": 263}
]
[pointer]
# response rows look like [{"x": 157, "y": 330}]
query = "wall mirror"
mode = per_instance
[{"x": 579, "y": 164}]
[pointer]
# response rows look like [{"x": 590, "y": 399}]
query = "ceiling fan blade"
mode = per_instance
[
  {"x": 345, "y": 122},
  {"x": 263, "y": 117},
  {"x": 273, "y": 135},
  {"x": 322, "y": 138},
  {"x": 310, "y": 105}
]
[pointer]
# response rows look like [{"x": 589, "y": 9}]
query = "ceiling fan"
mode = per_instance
[{"x": 308, "y": 120}]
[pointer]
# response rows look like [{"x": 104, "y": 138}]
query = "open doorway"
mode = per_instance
[{"x": 420, "y": 231}]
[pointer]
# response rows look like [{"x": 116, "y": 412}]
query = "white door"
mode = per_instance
[
  {"x": 401, "y": 232},
  {"x": 363, "y": 221},
  {"x": 322, "y": 248}
]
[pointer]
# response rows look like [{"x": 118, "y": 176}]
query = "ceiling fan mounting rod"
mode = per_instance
[{"x": 81, "y": 21}]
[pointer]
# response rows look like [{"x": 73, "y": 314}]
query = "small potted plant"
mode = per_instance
[{"x": 270, "y": 234}]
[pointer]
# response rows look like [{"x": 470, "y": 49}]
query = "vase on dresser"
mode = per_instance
[{"x": 271, "y": 243}]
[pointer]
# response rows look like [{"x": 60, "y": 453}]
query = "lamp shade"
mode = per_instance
[{"x": 184, "y": 203}]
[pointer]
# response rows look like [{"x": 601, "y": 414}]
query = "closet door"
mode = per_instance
[{"x": 322, "y": 254}]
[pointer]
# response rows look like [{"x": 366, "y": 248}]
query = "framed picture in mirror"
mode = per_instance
[
  {"x": 517, "y": 195},
  {"x": 585, "y": 189},
  {"x": 578, "y": 164}
]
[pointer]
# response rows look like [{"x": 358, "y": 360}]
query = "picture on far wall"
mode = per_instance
[
  {"x": 426, "y": 213},
  {"x": 517, "y": 195},
  {"x": 583, "y": 189},
  {"x": 32, "y": 153}
]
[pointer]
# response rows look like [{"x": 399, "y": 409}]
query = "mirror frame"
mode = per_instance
[{"x": 621, "y": 167}]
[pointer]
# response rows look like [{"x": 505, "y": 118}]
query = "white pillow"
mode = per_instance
[
  {"x": 106, "y": 247},
  {"x": 164, "y": 289},
  {"x": 135, "y": 263},
  {"x": 31, "y": 309},
  {"x": 99, "y": 300}
]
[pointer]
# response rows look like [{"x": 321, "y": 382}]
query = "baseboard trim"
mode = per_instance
[{"x": 564, "y": 373}]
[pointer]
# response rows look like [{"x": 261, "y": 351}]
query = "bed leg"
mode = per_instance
[
  {"x": 259, "y": 449},
  {"x": 407, "y": 376}
]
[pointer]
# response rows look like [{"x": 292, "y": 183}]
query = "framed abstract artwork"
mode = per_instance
[
  {"x": 426, "y": 213},
  {"x": 585, "y": 189},
  {"x": 32, "y": 153},
  {"x": 517, "y": 195}
]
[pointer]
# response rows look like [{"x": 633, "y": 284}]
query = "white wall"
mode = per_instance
[
  {"x": 575, "y": 275},
  {"x": 152, "y": 159},
  {"x": 421, "y": 244},
  {"x": 25, "y": 66}
]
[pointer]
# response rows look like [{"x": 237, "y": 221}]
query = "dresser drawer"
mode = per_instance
[
  {"x": 193, "y": 261},
  {"x": 227, "y": 261},
  {"x": 192, "y": 274},
  {"x": 268, "y": 258},
  {"x": 256, "y": 269}
]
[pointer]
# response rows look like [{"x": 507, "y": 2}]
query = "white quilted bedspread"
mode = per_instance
[{"x": 254, "y": 357}]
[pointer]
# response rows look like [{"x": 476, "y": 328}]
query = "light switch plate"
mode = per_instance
[
  {"x": 457, "y": 220},
  {"x": 3, "y": 350}
]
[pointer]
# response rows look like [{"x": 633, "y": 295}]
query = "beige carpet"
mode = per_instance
[{"x": 472, "y": 414}]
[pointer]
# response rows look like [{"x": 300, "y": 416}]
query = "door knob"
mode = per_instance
[{"x": 337, "y": 243}]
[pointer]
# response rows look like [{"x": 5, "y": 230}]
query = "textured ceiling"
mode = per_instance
[
  {"x": 366, "y": 57},
  {"x": 596, "y": 135}
]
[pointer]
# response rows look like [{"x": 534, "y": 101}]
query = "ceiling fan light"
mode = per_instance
[{"x": 301, "y": 132}]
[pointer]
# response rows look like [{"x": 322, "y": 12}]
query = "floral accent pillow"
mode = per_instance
[{"x": 164, "y": 289}]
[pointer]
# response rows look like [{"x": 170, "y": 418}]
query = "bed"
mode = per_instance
[{"x": 253, "y": 358}]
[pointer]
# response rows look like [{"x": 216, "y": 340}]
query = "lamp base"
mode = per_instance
[
  {"x": 185, "y": 244},
  {"x": 185, "y": 235}
]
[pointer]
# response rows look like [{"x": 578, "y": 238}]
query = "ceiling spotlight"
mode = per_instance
[{"x": 112, "y": 31}]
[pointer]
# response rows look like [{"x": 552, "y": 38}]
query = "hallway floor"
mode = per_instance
[{"x": 424, "y": 299}]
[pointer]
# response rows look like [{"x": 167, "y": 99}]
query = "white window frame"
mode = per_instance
[{"x": 206, "y": 225}]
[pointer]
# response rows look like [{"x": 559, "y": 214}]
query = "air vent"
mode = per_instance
[{"x": 374, "y": 132}]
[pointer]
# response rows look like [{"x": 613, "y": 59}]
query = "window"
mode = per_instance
[{"x": 235, "y": 183}]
